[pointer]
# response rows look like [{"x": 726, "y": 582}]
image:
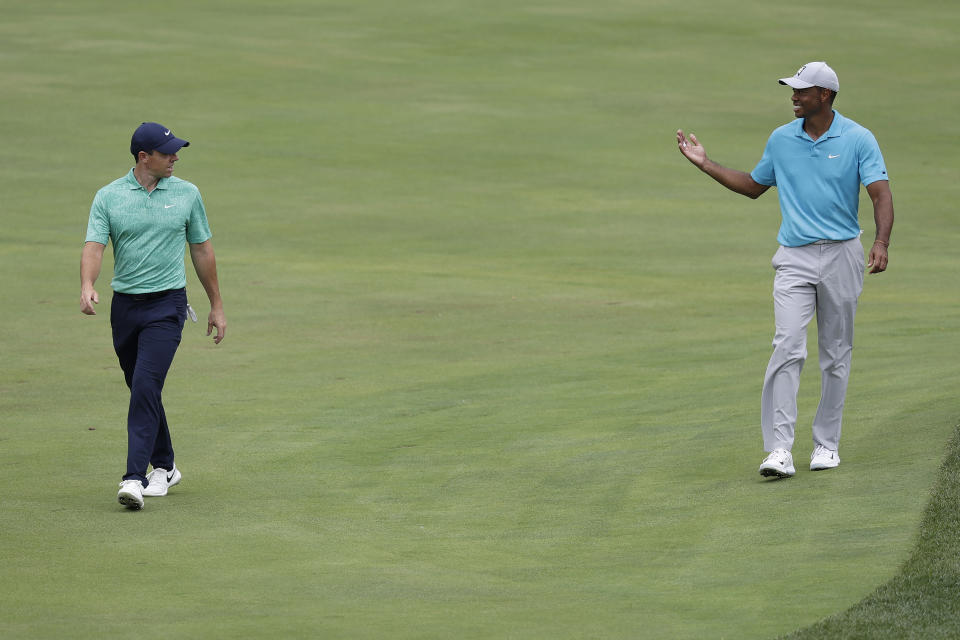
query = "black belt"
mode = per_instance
[
  {"x": 153, "y": 295},
  {"x": 831, "y": 241}
]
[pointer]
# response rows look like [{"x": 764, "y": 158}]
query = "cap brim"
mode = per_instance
[
  {"x": 172, "y": 146},
  {"x": 795, "y": 83}
]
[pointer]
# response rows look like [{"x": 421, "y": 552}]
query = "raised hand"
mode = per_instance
[{"x": 691, "y": 149}]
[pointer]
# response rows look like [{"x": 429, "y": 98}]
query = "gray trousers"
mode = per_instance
[{"x": 825, "y": 279}]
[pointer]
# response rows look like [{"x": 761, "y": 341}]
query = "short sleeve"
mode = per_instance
[
  {"x": 198, "y": 229},
  {"x": 764, "y": 172},
  {"x": 871, "y": 165},
  {"x": 98, "y": 225}
]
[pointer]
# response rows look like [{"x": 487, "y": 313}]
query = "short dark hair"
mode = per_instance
[{"x": 136, "y": 154}]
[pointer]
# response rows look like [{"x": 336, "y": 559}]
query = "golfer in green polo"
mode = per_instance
[{"x": 150, "y": 217}]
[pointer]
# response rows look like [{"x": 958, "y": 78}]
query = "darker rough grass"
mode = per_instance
[{"x": 923, "y": 600}]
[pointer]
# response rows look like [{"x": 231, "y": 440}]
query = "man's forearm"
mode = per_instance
[
  {"x": 737, "y": 181},
  {"x": 883, "y": 218},
  {"x": 205, "y": 264},
  {"x": 882, "y": 199},
  {"x": 91, "y": 261}
]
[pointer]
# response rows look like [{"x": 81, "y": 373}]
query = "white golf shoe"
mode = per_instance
[
  {"x": 131, "y": 494},
  {"x": 823, "y": 458},
  {"x": 778, "y": 464},
  {"x": 160, "y": 480}
]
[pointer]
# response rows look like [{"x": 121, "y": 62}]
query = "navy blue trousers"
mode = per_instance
[{"x": 146, "y": 333}]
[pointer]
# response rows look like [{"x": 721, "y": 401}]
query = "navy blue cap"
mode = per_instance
[{"x": 151, "y": 136}]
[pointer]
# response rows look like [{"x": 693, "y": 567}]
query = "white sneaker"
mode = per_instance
[
  {"x": 823, "y": 458},
  {"x": 160, "y": 480},
  {"x": 131, "y": 494},
  {"x": 779, "y": 463}
]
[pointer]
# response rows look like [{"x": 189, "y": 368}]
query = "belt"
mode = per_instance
[
  {"x": 829, "y": 241},
  {"x": 153, "y": 295}
]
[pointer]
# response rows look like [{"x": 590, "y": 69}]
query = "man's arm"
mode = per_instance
[
  {"x": 879, "y": 192},
  {"x": 205, "y": 263},
  {"x": 90, "y": 262},
  {"x": 732, "y": 179}
]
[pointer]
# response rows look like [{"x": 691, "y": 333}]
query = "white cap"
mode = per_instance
[{"x": 813, "y": 74}]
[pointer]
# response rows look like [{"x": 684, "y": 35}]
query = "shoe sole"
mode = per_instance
[
  {"x": 130, "y": 502},
  {"x": 774, "y": 473},
  {"x": 821, "y": 467}
]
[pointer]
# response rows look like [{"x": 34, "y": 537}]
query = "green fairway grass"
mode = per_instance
[
  {"x": 495, "y": 348},
  {"x": 921, "y": 601}
]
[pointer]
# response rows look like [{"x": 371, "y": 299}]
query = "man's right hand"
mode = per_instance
[
  {"x": 691, "y": 149},
  {"x": 88, "y": 298}
]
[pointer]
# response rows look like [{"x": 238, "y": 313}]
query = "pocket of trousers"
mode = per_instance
[{"x": 777, "y": 262}]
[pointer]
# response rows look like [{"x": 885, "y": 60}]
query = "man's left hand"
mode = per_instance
[
  {"x": 877, "y": 261},
  {"x": 219, "y": 320}
]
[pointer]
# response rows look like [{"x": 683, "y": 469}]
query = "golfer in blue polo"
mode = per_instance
[
  {"x": 817, "y": 162},
  {"x": 150, "y": 217}
]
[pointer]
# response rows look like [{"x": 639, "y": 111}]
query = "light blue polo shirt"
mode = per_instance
[
  {"x": 149, "y": 231},
  {"x": 818, "y": 182}
]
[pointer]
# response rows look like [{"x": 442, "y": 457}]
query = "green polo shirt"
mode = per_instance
[{"x": 149, "y": 231}]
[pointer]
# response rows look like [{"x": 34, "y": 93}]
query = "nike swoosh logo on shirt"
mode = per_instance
[
  {"x": 832, "y": 157},
  {"x": 167, "y": 206}
]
